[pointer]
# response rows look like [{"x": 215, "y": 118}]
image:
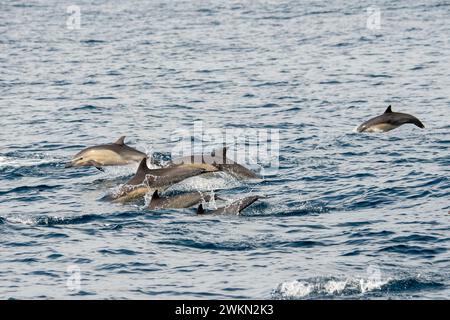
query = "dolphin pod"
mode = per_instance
[
  {"x": 389, "y": 120},
  {"x": 148, "y": 180}
]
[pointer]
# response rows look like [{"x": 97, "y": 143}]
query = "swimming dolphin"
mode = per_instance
[
  {"x": 179, "y": 201},
  {"x": 217, "y": 161},
  {"x": 148, "y": 180},
  {"x": 113, "y": 154},
  {"x": 234, "y": 208},
  {"x": 387, "y": 121}
]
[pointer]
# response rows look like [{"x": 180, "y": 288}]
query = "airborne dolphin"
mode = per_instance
[
  {"x": 147, "y": 180},
  {"x": 113, "y": 154},
  {"x": 217, "y": 161},
  {"x": 389, "y": 120},
  {"x": 234, "y": 208},
  {"x": 179, "y": 201}
]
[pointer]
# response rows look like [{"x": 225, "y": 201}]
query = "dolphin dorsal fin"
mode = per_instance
[
  {"x": 155, "y": 195},
  {"x": 143, "y": 166},
  {"x": 389, "y": 109},
  {"x": 120, "y": 141},
  {"x": 200, "y": 209}
]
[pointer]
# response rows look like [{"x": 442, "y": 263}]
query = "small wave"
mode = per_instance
[
  {"x": 54, "y": 220},
  {"x": 348, "y": 287},
  {"x": 104, "y": 98},
  {"x": 204, "y": 245},
  {"x": 413, "y": 250},
  {"x": 86, "y": 107},
  {"x": 295, "y": 209},
  {"x": 27, "y": 189},
  {"x": 92, "y": 41},
  {"x": 35, "y": 160}
]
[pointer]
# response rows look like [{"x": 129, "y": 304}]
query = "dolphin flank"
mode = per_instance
[
  {"x": 389, "y": 120},
  {"x": 113, "y": 154},
  {"x": 179, "y": 201}
]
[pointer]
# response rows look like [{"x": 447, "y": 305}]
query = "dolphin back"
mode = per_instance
[{"x": 234, "y": 208}]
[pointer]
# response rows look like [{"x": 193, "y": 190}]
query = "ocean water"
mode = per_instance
[{"x": 347, "y": 215}]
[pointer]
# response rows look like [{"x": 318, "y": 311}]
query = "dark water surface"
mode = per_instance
[{"x": 349, "y": 215}]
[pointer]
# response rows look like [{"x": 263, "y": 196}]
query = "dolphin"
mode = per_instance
[
  {"x": 234, "y": 208},
  {"x": 217, "y": 161},
  {"x": 389, "y": 120},
  {"x": 184, "y": 200},
  {"x": 148, "y": 180},
  {"x": 113, "y": 154}
]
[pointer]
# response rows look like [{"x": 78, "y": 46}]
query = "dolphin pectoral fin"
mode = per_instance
[
  {"x": 200, "y": 210},
  {"x": 95, "y": 164}
]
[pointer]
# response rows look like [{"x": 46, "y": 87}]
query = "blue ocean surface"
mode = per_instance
[{"x": 346, "y": 216}]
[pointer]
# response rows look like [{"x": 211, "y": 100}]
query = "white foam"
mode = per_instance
[
  {"x": 21, "y": 220},
  {"x": 218, "y": 180},
  {"x": 323, "y": 286}
]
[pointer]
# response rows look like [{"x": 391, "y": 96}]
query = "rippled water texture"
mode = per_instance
[{"x": 348, "y": 215}]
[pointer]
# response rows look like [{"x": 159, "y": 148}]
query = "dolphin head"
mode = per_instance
[{"x": 85, "y": 158}]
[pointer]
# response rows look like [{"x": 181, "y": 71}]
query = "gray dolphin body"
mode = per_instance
[
  {"x": 389, "y": 120},
  {"x": 148, "y": 180},
  {"x": 179, "y": 201},
  {"x": 113, "y": 154},
  {"x": 217, "y": 161},
  {"x": 234, "y": 208}
]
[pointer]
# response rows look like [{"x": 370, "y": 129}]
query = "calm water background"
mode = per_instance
[{"x": 349, "y": 215}]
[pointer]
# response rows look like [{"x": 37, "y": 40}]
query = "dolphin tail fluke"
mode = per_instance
[{"x": 418, "y": 123}]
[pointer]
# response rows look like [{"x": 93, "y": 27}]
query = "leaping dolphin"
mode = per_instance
[
  {"x": 179, "y": 201},
  {"x": 389, "y": 120},
  {"x": 234, "y": 208},
  {"x": 217, "y": 161},
  {"x": 148, "y": 180},
  {"x": 113, "y": 154}
]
